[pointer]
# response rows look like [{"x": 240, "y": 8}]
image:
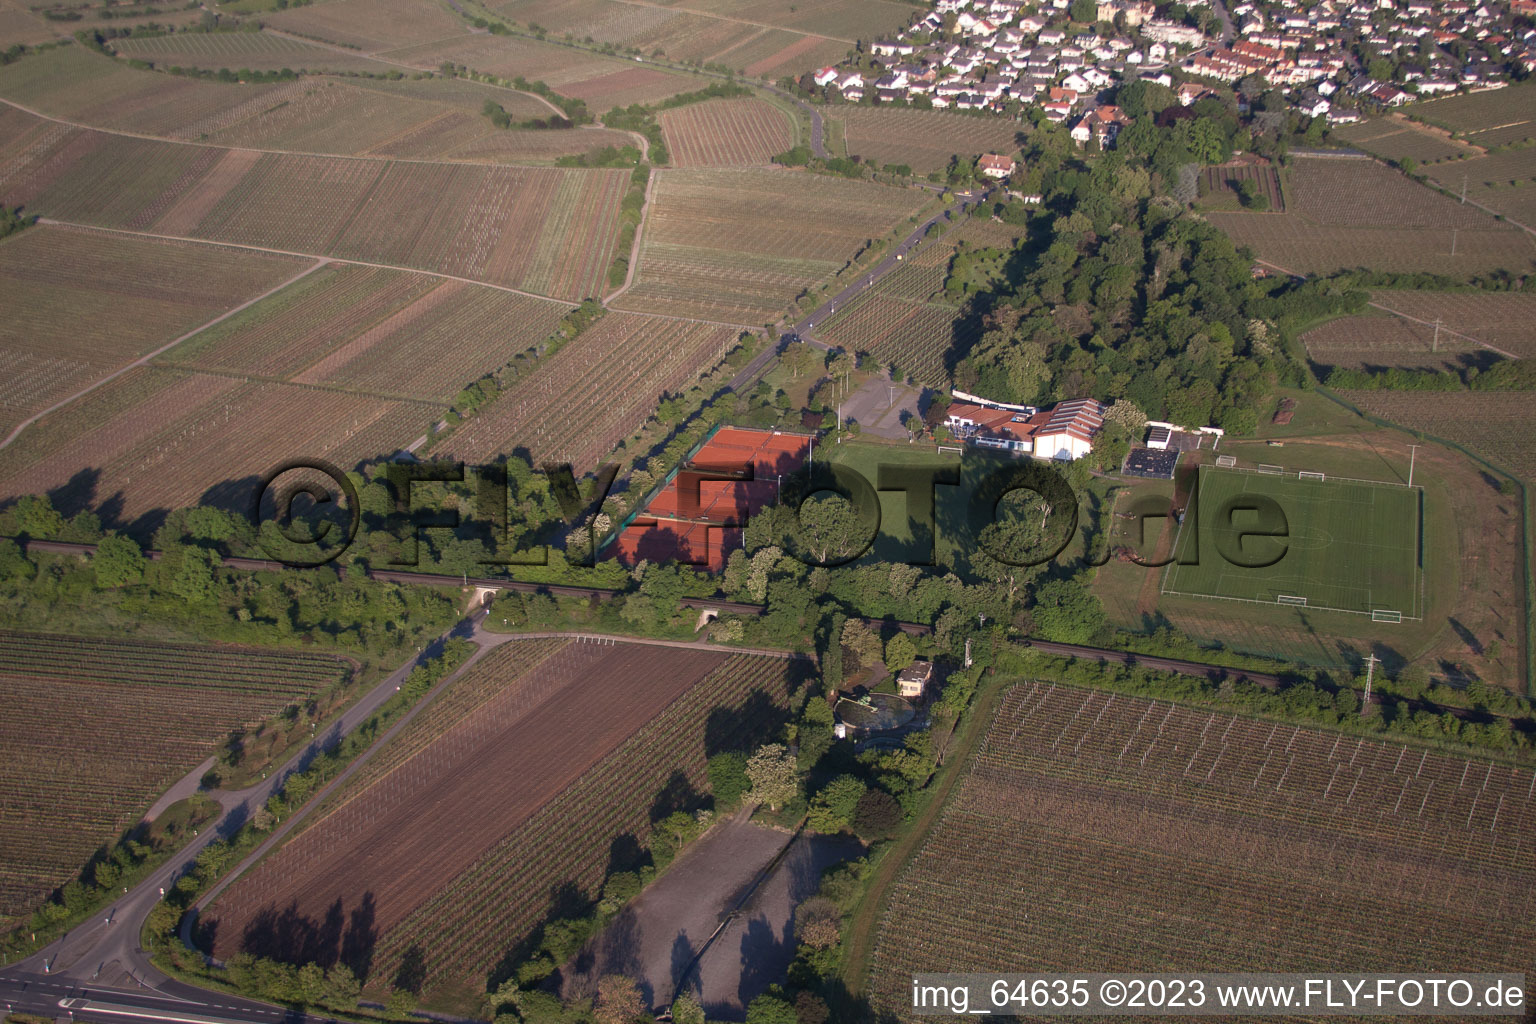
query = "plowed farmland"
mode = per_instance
[
  {"x": 1504, "y": 182},
  {"x": 556, "y": 750},
  {"x": 726, "y": 133},
  {"x": 81, "y": 304},
  {"x": 1098, "y": 832},
  {"x": 739, "y": 245},
  {"x": 595, "y": 391},
  {"x": 1344, "y": 213},
  {"x": 924, "y": 139},
  {"x": 137, "y": 716},
  {"x": 545, "y": 230}
]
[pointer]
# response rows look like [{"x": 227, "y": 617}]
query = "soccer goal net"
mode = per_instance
[
  {"x": 1226, "y": 461},
  {"x": 1384, "y": 615},
  {"x": 1304, "y": 475},
  {"x": 1273, "y": 470},
  {"x": 1290, "y": 599}
]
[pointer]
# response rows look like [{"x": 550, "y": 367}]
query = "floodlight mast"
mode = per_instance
[{"x": 1370, "y": 670}]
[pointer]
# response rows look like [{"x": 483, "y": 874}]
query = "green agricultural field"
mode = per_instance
[{"x": 1348, "y": 545}]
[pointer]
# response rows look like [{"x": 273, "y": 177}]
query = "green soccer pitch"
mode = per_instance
[{"x": 1352, "y": 546}]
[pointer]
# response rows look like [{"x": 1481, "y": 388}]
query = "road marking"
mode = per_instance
[{"x": 115, "y": 1010}]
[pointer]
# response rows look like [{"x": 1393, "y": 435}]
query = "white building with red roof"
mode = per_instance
[{"x": 1063, "y": 432}]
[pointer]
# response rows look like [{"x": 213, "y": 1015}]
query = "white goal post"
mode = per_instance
[
  {"x": 1385, "y": 615},
  {"x": 1272, "y": 470},
  {"x": 1226, "y": 461},
  {"x": 1305, "y": 475},
  {"x": 1290, "y": 599}
]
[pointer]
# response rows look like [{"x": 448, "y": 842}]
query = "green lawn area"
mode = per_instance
[{"x": 1347, "y": 545}]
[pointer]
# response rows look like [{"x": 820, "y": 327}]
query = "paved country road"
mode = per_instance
[{"x": 964, "y": 201}]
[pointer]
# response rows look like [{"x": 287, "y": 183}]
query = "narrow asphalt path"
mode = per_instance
[{"x": 802, "y": 331}]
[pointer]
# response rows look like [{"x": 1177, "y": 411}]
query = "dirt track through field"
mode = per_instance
[{"x": 417, "y": 827}]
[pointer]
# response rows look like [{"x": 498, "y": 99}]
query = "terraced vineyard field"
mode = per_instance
[
  {"x": 1379, "y": 339},
  {"x": 590, "y": 732},
  {"x": 739, "y": 36},
  {"x": 924, "y": 139},
  {"x": 1505, "y": 182},
  {"x": 219, "y": 433},
  {"x": 1493, "y": 117},
  {"x": 546, "y": 230},
  {"x": 1393, "y": 139},
  {"x": 74, "y": 83},
  {"x": 738, "y": 245},
  {"x": 1496, "y": 424},
  {"x": 385, "y": 332},
  {"x": 1505, "y": 320},
  {"x": 1099, "y": 832},
  {"x": 913, "y": 336},
  {"x": 1469, "y": 321},
  {"x": 726, "y": 133},
  {"x": 603, "y": 82},
  {"x": 82, "y": 304},
  {"x": 369, "y": 25},
  {"x": 1348, "y": 213},
  {"x": 594, "y": 392},
  {"x": 139, "y": 715},
  {"x": 258, "y": 51}
]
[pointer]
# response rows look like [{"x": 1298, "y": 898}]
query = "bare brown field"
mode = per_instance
[
  {"x": 82, "y": 304},
  {"x": 1346, "y": 213},
  {"x": 923, "y": 139},
  {"x": 589, "y": 731},
  {"x": 594, "y": 392},
  {"x": 141, "y": 713},
  {"x": 544, "y": 230},
  {"x": 738, "y": 245},
  {"x": 1506, "y": 320},
  {"x": 1100, "y": 832},
  {"x": 726, "y": 133},
  {"x": 369, "y": 25}
]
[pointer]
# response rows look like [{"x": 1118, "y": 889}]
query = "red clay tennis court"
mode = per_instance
[{"x": 696, "y": 518}]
